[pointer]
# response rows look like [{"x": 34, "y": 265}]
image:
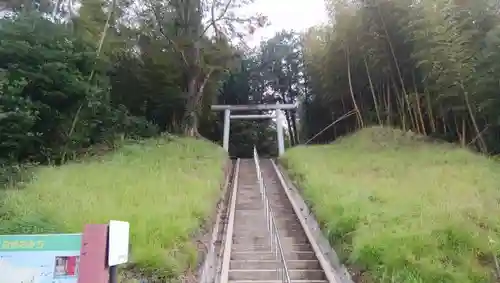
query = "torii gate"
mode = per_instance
[{"x": 279, "y": 119}]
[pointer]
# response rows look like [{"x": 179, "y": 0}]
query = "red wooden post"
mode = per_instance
[{"x": 93, "y": 266}]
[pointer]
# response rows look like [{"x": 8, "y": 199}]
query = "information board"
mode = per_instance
[{"x": 50, "y": 258}]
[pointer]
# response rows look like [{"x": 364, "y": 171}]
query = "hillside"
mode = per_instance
[
  {"x": 400, "y": 208},
  {"x": 164, "y": 188}
]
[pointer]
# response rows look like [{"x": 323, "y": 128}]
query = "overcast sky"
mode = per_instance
[{"x": 287, "y": 14}]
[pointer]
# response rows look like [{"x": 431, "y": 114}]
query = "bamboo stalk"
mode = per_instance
[
  {"x": 358, "y": 113},
  {"x": 375, "y": 103},
  {"x": 92, "y": 73}
]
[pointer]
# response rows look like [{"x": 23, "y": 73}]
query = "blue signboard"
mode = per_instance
[{"x": 51, "y": 258}]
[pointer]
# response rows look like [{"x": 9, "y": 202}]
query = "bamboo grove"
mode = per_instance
[{"x": 427, "y": 66}]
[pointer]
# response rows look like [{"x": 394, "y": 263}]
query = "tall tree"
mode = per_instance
[
  {"x": 190, "y": 40},
  {"x": 282, "y": 71}
]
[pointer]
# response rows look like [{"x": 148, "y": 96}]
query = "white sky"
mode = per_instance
[{"x": 295, "y": 15}]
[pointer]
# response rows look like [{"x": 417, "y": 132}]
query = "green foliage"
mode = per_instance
[
  {"x": 44, "y": 81},
  {"x": 149, "y": 86},
  {"x": 91, "y": 20},
  {"x": 166, "y": 188},
  {"x": 399, "y": 208},
  {"x": 14, "y": 174},
  {"x": 426, "y": 66}
]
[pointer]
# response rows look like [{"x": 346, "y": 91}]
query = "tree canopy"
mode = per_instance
[{"x": 78, "y": 74}]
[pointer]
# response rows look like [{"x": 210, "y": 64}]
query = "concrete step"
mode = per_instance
[
  {"x": 277, "y": 281},
  {"x": 261, "y": 240},
  {"x": 296, "y": 255},
  {"x": 262, "y": 212},
  {"x": 245, "y": 223},
  {"x": 282, "y": 229},
  {"x": 261, "y": 219},
  {"x": 273, "y": 264},
  {"x": 260, "y": 207},
  {"x": 273, "y": 201},
  {"x": 257, "y": 226},
  {"x": 284, "y": 234},
  {"x": 270, "y": 274},
  {"x": 250, "y": 248},
  {"x": 290, "y": 247}
]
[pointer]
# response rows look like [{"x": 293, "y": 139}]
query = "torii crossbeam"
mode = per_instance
[{"x": 278, "y": 115}]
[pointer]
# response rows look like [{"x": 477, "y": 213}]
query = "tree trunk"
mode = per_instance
[
  {"x": 419, "y": 107},
  {"x": 482, "y": 144},
  {"x": 356, "y": 108},
  {"x": 190, "y": 119},
  {"x": 375, "y": 103},
  {"x": 430, "y": 113},
  {"x": 461, "y": 137},
  {"x": 443, "y": 115},
  {"x": 400, "y": 106},
  {"x": 464, "y": 132},
  {"x": 194, "y": 103},
  {"x": 91, "y": 77},
  {"x": 294, "y": 126},
  {"x": 289, "y": 126},
  {"x": 389, "y": 106},
  {"x": 400, "y": 76}
]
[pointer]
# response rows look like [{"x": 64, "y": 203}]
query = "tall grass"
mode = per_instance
[
  {"x": 164, "y": 188},
  {"x": 400, "y": 209}
]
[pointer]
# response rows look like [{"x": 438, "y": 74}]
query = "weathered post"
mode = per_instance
[
  {"x": 279, "y": 132},
  {"x": 227, "y": 128},
  {"x": 93, "y": 267}
]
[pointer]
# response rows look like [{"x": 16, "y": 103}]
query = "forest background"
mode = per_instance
[{"x": 78, "y": 78}]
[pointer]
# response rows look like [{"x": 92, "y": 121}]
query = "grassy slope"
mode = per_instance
[
  {"x": 403, "y": 209},
  {"x": 163, "y": 188}
]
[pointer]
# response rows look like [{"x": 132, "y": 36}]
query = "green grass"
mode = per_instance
[
  {"x": 164, "y": 188},
  {"x": 402, "y": 209}
]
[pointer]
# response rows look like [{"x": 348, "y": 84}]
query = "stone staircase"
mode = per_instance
[{"x": 252, "y": 259}]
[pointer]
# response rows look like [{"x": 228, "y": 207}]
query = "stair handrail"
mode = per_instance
[{"x": 271, "y": 223}]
